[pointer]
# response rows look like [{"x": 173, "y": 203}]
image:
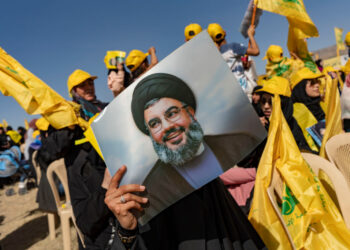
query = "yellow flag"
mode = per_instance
[
  {"x": 26, "y": 124},
  {"x": 294, "y": 10},
  {"x": 34, "y": 96},
  {"x": 4, "y": 123},
  {"x": 332, "y": 112},
  {"x": 311, "y": 218},
  {"x": 339, "y": 38},
  {"x": 300, "y": 26}
]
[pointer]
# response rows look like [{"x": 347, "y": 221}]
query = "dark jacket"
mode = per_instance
[{"x": 87, "y": 196}]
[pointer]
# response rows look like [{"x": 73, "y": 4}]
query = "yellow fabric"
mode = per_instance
[
  {"x": 192, "y": 30},
  {"x": 34, "y": 96},
  {"x": 14, "y": 135},
  {"x": 276, "y": 85},
  {"x": 347, "y": 39},
  {"x": 42, "y": 124},
  {"x": 284, "y": 68},
  {"x": 76, "y": 78},
  {"x": 332, "y": 112},
  {"x": 26, "y": 124},
  {"x": 302, "y": 74},
  {"x": 215, "y": 29},
  {"x": 4, "y": 123},
  {"x": 114, "y": 57},
  {"x": 90, "y": 136},
  {"x": 134, "y": 59},
  {"x": 346, "y": 67},
  {"x": 305, "y": 119},
  {"x": 312, "y": 219},
  {"x": 339, "y": 38},
  {"x": 35, "y": 134}
]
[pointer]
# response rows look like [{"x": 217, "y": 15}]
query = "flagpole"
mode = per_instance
[{"x": 253, "y": 20}]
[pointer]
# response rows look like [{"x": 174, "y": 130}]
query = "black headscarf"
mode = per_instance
[
  {"x": 312, "y": 103},
  {"x": 158, "y": 85}
]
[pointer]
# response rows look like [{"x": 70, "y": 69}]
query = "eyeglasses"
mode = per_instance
[{"x": 171, "y": 115}]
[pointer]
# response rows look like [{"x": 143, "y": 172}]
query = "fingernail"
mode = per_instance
[
  {"x": 144, "y": 199},
  {"x": 142, "y": 188}
]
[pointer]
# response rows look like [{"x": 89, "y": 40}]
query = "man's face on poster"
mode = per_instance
[{"x": 175, "y": 133}]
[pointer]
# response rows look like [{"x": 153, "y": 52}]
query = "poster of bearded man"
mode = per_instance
[{"x": 178, "y": 126}]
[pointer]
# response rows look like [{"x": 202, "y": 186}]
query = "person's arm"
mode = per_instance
[
  {"x": 91, "y": 213},
  {"x": 253, "y": 48},
  {"x": 154, "y": 59},
  {"x": 116, "y": 80},
  {"x": 123, "y": 203}
]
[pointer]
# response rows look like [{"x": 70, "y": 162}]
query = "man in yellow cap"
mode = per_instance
[
  {"x": 192, "y": 30},
  {"x": 81, "y": 87},
  {"x": 236, "y": 56},
  {"x": 279, "y": 65},
  {"x": 137, "y": 61}
]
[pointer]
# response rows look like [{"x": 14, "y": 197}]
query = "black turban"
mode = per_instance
[{"x": 158, "y": 85}]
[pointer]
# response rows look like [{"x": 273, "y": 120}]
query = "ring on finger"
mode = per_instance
[{"x": 122, "y": 199}]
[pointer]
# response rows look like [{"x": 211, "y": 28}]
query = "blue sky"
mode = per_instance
[{"x": 53, "y": 38}]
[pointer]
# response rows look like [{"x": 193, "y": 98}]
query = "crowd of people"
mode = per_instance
[{"x": 215, "y": 215}]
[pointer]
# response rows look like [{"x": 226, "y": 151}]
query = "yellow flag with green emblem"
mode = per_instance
[
  {"x": 339, "y": 38},
  {"x": 310, "y": 216},
  {"x": 300, "y": 26},
  {"x": 35, "y": 96},
  {"x": 333, "y": 113}
]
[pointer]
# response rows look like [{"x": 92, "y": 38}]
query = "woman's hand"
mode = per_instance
[{"x": 121, "y": 200}]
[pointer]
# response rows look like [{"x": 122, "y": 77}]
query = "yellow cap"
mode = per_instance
[
  {"x": 35, "y": 134},
  {"x": 276, "y": 85},
  {"x": 347, "y": 39},
  {"x": 192, "y": 30},
  {"x": 42, "y": 124},
  {"x": 77, "y": 77},
  {"x": 274, "y": 54},
  {"x": 216, "y": 32},
  {"x": 134, "y": 59},
  {"x": 304, "y": 73},
  {"x": 14, "y": 135}
]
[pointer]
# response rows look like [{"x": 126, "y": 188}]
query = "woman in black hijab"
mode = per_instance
[{"x": 306, "y": 99}]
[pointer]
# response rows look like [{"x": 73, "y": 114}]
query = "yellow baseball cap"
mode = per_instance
[
  {"x": 276, "y": 85},
  {"x": 192, "y": 30},
  {"x": 42, "y": 124},
  {"x": 304, "y": 73},
  {"x": 274, "y": 54},
  {"x": 347, "y": 39},
  {"x": 261, "y": 80},
  {"x": 216, "y": 32},
  {"x": 134, "y": 59},
  {"x": 76, "y": 78}
]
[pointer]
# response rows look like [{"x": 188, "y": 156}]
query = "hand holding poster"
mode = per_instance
[{"x": 179, "y": 126}]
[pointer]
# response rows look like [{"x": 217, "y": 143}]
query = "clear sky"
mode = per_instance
[{"x": 53, "y": 38}]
